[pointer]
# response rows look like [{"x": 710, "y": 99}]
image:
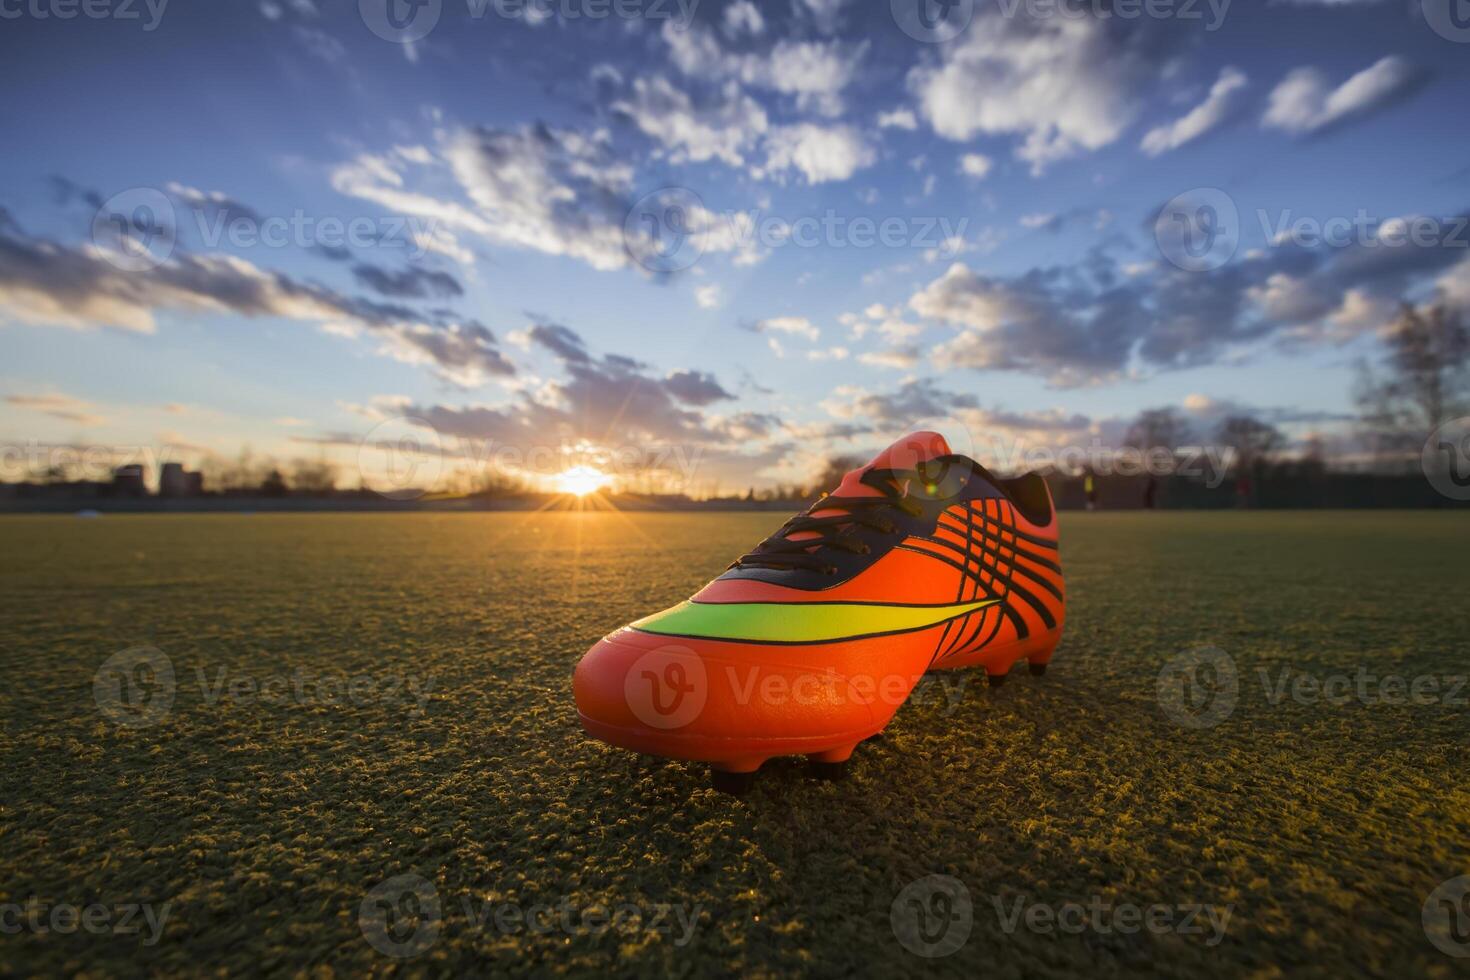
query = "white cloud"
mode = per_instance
[
  {"x": 797, "y": 326},
  {"x": 1060, "y": 82},
  {"x": 1290, "y": 299},
  {"x": 821, "y": 153},
  {"x": 895, "y": 329},
  {"x": 547, "y": 190},
  {"x": 815, "y": 73},
  {"x": 743, "y": 17},
  {"x": 1362, "y": 312},
  {"x": 898, "y": 358},
  {"x": 379, "y": 178},
  {"x": 961, "y": 297},
  {"x": 976, "y": 165},
  {"x": 826, "y": 13},
  {"x": 709, "y": 296},
  {"x": 1304, "y": 102},
  {"x": 884, "y": 320},
  {"x": 721, "y": 130},
  {"x": 1199, "y": 120},
  {"x": 58, "y": 405},
  {"x": 48, "y": 284},
  {"x": 898, "y": 119},
  {"x": 1014, "y": 325},
  {"x": 1455, "y": 285},
  {"x": 559, "y": 192},
  {"x": 952, "y": 246}
]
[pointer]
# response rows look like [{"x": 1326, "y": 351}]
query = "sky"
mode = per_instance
[{"x": 723, "y": 239}]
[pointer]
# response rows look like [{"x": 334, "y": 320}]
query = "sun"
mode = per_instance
[{"x": 579, "y": 481}]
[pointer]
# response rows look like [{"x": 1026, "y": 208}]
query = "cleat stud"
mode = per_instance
[
  {"x": 734, "y": 783},
  {"x": 829, "y": 771},
  {"x": 996, "y": 680},
  {"x": 1037, "y": 669}
]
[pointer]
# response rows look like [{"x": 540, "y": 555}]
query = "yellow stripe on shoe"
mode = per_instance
[{"x": 799, "y": 622}]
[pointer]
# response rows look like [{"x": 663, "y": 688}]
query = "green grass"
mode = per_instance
[{"x": 265, "y": 822}]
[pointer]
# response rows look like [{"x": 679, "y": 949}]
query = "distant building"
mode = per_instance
[
  {"x": 175, "y": 481},
  {"x": 127, "y": 481}
]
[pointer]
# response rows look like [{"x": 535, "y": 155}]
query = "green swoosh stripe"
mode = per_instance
[{"x": 799, "y": 622}]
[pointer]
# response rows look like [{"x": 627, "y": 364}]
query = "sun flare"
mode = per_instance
[{"x": 579, "y": 481}]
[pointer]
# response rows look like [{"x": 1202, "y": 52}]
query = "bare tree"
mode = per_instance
[
  {"x": 832, "y": 473},
  {"x": 1158, "y": 428},
  {"x": 1252, "y": 440},
  {"x": 313, "y": 476},
  {"x": 1426, "y": 380},
  {"x": 274, "y": 484},
  {"x": 493, "y": 482},
  {"x": 245, "y": 472}
]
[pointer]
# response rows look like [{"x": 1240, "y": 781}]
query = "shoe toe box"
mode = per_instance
[{"x": 702, "y": 699}]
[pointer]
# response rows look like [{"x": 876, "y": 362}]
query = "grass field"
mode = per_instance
[{"x": 360, "y": 698}]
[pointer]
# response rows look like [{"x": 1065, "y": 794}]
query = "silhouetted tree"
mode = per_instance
[
  {"x": 313, "y": 476},
  {"x": 1158, "y": 428},
  {"x": 1313, "y": 460},
  {"x": 832, "y": 474},
  {"x": 492, "y": 482},
  {"x": 1253, "y": 441},
  {"x": 245, "y": 472},
  {"x": 274, "y": 484},
  {"x": 1426, "y": 382}
]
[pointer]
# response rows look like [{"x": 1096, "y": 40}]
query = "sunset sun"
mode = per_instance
[{"x": 579, "y": 481}]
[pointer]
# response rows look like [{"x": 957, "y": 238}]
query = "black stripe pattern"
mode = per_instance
[{"x": 996, "y": 562}]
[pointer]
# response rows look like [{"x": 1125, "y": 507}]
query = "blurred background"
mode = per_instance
[{"x": 418, "y": 251}]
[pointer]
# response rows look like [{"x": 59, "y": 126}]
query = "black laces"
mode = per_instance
[{"x": 836, "y": 530}]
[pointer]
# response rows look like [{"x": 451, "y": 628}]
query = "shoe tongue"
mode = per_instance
[{"x": 905, "y": 454}]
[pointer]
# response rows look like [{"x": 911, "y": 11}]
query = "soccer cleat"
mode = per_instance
[{"x": 808, "y": 645}]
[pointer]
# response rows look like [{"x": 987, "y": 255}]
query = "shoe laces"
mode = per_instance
[{"x": 837, "y": 531}]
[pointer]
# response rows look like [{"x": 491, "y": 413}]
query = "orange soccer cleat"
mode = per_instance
[{"x": 808, "y": 645}]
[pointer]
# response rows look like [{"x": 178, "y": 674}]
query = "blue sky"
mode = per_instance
[{"x": 497, "y": 288}]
